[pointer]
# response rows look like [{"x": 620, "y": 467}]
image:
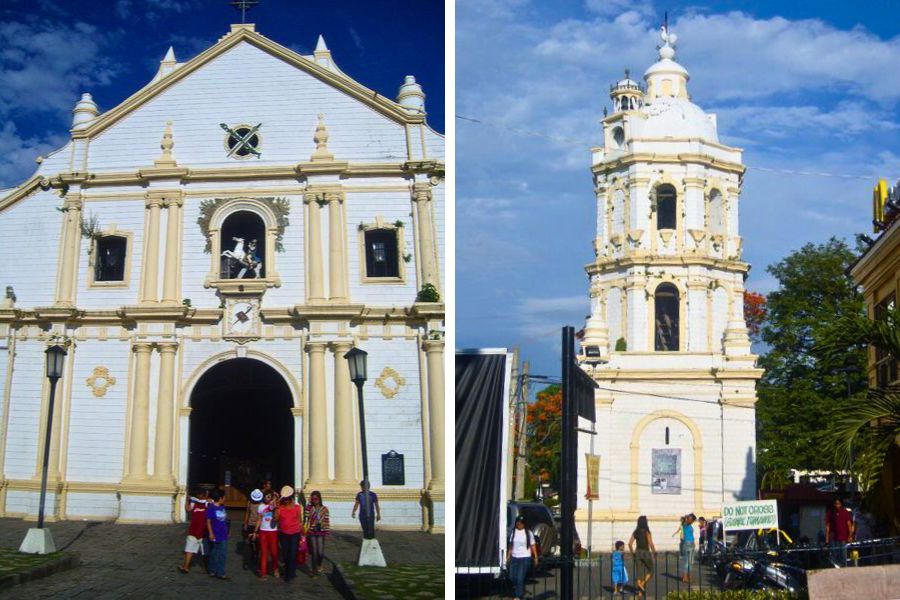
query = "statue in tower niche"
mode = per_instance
[{"x": 242, "y": 262}]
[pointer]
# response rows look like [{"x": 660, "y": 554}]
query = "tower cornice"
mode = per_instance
[
  {"x": 602, "y": 266},
  {"x": 604, "y": 167}
]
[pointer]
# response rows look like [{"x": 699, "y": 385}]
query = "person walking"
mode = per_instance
[
  {"x": 267, "y": 532},
  {"x": 619, "y": 572},
  {"x": 248, "y": 531},
  {"x": 318, "y": 528},
  {"x": 195, "y": 506},
  {"x": 643, "y": 566},
  {"x": 217, "y": 526},
  {"x": 290, "y": 526},
  {"x": 686, "y": 547},
  {"x": 521, "y": 550},
  {"x": 369, "y": 511}
]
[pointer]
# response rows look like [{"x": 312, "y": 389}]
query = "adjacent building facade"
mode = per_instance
[
  {"x": 207, "y": 251},
  {"x": 666, "y": 341},
  {"x": 877, "y": 271}
]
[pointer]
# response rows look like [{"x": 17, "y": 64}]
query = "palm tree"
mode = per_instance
[{"x": 866, "y": 439}]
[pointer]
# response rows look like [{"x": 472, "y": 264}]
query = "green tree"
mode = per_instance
[
  {"x": 866, "y": 439},
  {"x": 802, "y": 391}
]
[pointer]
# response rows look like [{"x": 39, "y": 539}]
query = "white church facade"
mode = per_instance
[
  {"x": 666, "y": 340},
  {"x": 207, "y": 252}
]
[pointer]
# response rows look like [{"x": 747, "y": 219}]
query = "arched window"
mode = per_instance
[
  {"x": 110, "y": 262},
  {"x": 619, "y": 137},
  {"x": 243, "y": 246},
  {"x": 666, "y": 317},
  {"x": 665, "y": 207}
]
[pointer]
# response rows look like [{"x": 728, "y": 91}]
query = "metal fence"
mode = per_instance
[{"x": 712, "y": 571}]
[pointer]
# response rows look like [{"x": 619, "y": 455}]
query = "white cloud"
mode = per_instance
[
  {"x": 18, "y": 153},
  {"x": 616, "y": 7}
]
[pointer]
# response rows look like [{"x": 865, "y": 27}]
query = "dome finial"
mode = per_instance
[{"x": 667, "y": 50}]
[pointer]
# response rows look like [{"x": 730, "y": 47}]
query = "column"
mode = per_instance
[
  {"x": 68, "y": 260},
  {"x": 318, "y": 417},
  {"x": 165, "y": 414},
  {"x": 137, "y": 459},
  {"x": 434, "y": 351},
  {"x": 173, "y": 251},
  {"x": 337, "y": 278},
  {"x": 150, "y": 273},
  {"x": 315, "y": 283},
  {"x": 344, "y": 438},
  {"x": 427, "y": 250}
]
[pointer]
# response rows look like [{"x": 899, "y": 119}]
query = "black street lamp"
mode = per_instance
[
  {"x": 56, "y": 356},
  {"x": 356, "y": 360}
]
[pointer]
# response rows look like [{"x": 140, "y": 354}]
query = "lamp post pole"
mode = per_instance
[
  {"x": 365, "y": 455},
  {"x": 39, "y": 540},
  {"x": 370, "y": 552},
  {"x": 46, "y": 462}
]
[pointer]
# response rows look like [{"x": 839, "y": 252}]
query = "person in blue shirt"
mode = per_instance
[
  {"x": 217, "y": 526},
  {"x": 369, "y": 511},
  {"x": 619, "y": 572},
  {"x": 686, "y": 548}
]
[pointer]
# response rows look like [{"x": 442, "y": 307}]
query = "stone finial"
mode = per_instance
[
  {"x": 166, "y": 159},
  {"x": 321, "y": 139},
  {"x": 9, "y": 300},
  {"x": 84, "y": 112},
  {"x": 411, "y": 97}
]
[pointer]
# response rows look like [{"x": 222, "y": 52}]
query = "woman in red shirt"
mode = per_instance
[
  {"x": 319, "y": 526},
  {"x": 290, "y": 526}
]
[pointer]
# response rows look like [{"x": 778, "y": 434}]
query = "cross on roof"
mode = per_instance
[{"x": 243, "y": 5}]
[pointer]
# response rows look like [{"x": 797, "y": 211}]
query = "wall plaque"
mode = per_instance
[
  {"x": 666, "y": 471},
  {"x": 392, "y": 471}
]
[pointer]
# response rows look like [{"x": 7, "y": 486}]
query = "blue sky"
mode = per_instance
[
  {"x": 805, "y": 86},
  {"x": 53, "y": 50}
]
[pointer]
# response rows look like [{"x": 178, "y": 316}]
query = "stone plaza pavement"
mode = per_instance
[{"x": 140, "y": 561}]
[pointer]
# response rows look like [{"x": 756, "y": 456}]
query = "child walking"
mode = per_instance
[{"x": 619, "y": 572}]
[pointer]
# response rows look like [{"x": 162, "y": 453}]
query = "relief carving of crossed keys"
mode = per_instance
[{"x": 242, "y": 140}]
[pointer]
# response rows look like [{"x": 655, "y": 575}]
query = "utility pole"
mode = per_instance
[{"x": 568, "y": 467}]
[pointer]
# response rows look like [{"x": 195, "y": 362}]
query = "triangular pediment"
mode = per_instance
[{"x": 238, "y": 36}]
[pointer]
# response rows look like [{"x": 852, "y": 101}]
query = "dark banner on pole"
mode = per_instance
[
  {"x": 583, "y": 394},
  {"x": 480, "y": 383}
]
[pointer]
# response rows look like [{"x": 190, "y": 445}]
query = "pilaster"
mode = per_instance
[
  {"x": 316, "y": 281},
  {"x": 67, "y": 269},
  {"x": 425, "y": 234},
  {"x": 171, "y": 279},
  {"x": 344, "y": 430},
  {"x": 137, "y": 452},
  {"x": 337, "y": 248},
  {"x": 150, "y": 271},
  {"x": 165, "y": 415},
  {"x": 434, "y": 351},
  {"x": 318, "y": 417}
]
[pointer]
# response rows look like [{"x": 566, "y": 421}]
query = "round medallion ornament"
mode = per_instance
[
  {"x": 242, "y": 141},
  {"x": 99, "y": 381},
  {"x": 389, "y": 382}
]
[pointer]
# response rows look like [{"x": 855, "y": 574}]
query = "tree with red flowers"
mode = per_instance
[
  {"x": 544, "y": 423},
  {"x": 755, "y": 310}
]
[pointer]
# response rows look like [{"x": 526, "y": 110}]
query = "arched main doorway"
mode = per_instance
[{"x": 241, "y": 428}]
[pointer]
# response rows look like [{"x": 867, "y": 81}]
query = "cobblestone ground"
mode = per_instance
[{"x": 140, "y": 561}]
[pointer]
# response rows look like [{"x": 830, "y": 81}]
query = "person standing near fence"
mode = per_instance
[
  {"x": 643, "y": 565},
  {"x": 839, "y": 529},
  {"x": 686, "y": 548},
  {"x": 521, "y": 550}
]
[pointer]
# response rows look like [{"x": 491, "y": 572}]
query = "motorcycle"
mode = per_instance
[{"x": 760, "y": 574}]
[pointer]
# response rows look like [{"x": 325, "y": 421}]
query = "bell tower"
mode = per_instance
[{"x": 666, "y": 339}]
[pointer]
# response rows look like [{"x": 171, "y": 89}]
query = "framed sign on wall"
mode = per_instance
[{"x": 666, "y": 471}]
